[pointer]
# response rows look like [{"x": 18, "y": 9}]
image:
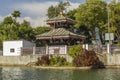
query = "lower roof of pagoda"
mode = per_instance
[{"x": 59, "y": 33}]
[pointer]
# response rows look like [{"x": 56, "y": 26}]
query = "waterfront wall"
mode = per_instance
[
  {"x": 103, "y": 58},
  {"x": 24, "y": 60},
  {"x": 18, "y": 60},
  {"x": 106, "y": 59},
  {"x": 113, "y": 59}
]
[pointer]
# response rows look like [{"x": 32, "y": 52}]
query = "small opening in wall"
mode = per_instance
[
  {"x": 12, "y": 50},
  {"x": 56, "y": 51}
]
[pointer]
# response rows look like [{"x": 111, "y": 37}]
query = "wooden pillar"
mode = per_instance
[
  {"x": 47, "y": 49},
  {"x": 66, "y": 49},
  {"x": 34, "y": 50}
]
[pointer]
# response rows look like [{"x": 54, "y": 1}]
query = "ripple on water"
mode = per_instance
[{"x": 24, "y": 73}]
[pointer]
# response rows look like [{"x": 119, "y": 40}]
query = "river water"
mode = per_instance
[{"x": 25, "y": 73}]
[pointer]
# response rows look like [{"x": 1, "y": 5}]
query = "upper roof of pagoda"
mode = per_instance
[{"x": 60, "y": 19}]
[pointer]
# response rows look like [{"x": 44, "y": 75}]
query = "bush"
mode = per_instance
[
  {"x": 75, "y": 50},
  {"x": 54, "y": 61},
  {"x": 44, "y": 60},
  {"x": 57, "y": 61},
  {"x": 87, "y": 58}
]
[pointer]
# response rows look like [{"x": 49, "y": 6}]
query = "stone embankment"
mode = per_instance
[{"x": 18, "y": 60}]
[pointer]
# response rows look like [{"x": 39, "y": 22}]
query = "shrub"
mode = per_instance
[
  {"x": 87, "y": 58},
  {"x": 57, "y": 61},
  {"x": 54, "y": 61},
  {"x": 44, "y": 60},
  {"x": 75, "y": 50}
]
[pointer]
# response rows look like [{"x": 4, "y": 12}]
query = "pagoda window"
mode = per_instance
[{"x": 56, "y": 51}]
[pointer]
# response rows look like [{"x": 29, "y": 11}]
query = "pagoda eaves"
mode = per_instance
[{"x": 60, "y": 19}]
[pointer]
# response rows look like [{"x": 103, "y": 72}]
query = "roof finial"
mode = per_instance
[{"x": 61, "y": 14}]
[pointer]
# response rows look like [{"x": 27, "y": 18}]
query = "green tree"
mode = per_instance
[
  {"x": 92, "y": 14},
  {"x": 117, "y": 20},
  {"x": 114, "y": 11},
  {"x": 53, "y": 11},
  {"x": 16, "y": 14},
  {"x": 75, "y": 50},
  {"x": 41, "y": 29},
  {"x": 8, "y": 29},
  {"x": 71, "y": 14},
  {"x": 8, "y": 20},
  {"x": 26, "y": 31}
]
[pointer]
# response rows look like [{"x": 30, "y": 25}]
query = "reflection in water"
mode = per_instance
[
  {"x": 25, "y": 73},
  {"x": 10, "y": 73},
  {"x": 112, "y": 74},
  {"x": 58, "y": 75}
]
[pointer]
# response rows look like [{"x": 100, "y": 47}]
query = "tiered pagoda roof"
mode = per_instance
[
  {"x": 60, "y": 25},
  {"x": 59, "y": 33},
  {"x": 59, "y": 21}
]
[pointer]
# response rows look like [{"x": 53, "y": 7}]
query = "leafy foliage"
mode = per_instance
[
  {"x": 57, "y": 61},
  {"x": 44, "y": 60},
  {"x": 41, "y": 29},
  {"x": 114, "y": 11},
  {"x": 87, "y": 58},
  {"x": 71, "y": 14},
  {"x": 75, "y": 50},
  {"x": 52, "y": 61},
  {"x": 92, "y": 14},
  {"x": 16, "y": 14},
  {"x": 53, "y": 11},
  {"x": 8, "y": 20},
  {"x": 8, "y": 29},
  {"x": 26, "y": 31}
]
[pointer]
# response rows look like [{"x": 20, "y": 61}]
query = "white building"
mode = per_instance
[
  {"x": 13, "y": 48},
  {"x": 117, "y": 1}
]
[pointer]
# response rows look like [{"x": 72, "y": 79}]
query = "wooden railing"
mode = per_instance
[{"x": 26, "y": 51}]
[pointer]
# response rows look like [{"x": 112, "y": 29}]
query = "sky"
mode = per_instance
[{"x": 33, "y": 11}]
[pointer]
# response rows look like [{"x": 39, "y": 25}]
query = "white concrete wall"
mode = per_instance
[
  {"x": 16, "y": 45},
  {"x": 62, "y": 49},
  {"x": 113, "y": 59}
]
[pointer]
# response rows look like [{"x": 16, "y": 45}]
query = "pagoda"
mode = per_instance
[{"x": 60, "y": 38}]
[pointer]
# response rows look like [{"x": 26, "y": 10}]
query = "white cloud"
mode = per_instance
[
  {"x": 36, "y": 8},
  {"x": 73, "y": 6},
  {"x": 40, "y": 21},
  {"x": 1, "y": 18},
  {"x": 36, "y": 12}
]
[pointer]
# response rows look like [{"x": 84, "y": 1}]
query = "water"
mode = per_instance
[{"x": 25, "y": 73}]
